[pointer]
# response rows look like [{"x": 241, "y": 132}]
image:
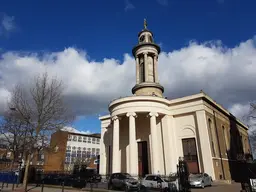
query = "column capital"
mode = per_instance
[
  {"x": 151, "y": 114},
  {"x": 131, "y": 114},
  {"x": 114, "y": 118}
]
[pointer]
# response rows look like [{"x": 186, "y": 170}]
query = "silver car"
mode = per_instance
[{"x": 200, "y": 180}]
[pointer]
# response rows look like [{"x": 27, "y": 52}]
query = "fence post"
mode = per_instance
[
  {"x": 91, "y": 187},
  {"x": 63, "y": 186},
  {"x": 42, "y": 188},
  {"x": 2, "y": 185}
]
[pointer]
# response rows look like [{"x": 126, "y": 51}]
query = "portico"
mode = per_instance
[{"x": 134, "y": 120}]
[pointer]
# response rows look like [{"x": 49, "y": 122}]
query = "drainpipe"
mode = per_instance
[{"x": 221, "y": 161}]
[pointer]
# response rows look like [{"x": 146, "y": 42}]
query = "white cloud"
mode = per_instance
[
  {"x": 226, "y": 74},
  {"x": 73, "y": 130},
  {"x": 163, "y": 2},
  {"x": 128, "y": 5},
  {"x": 7, "y": 24}
]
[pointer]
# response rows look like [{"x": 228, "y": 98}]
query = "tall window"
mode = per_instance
[
  {"x": 225, "y": 136},
  {"x": 211, "y": 135}
]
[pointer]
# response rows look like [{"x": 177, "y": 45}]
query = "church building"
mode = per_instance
[{"x": 146, "y": 133}]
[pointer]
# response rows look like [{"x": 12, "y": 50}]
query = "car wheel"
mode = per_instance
[
  {"x": 166, "y": 189},
  {"x": 202, "y": 185},
  {"x": 110, "y": 187},
  {"x": 126, "y": 188},
  {"x": 143, "y": 188}
]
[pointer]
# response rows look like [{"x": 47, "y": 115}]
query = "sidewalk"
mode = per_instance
[{"x": 50, "y": 189}]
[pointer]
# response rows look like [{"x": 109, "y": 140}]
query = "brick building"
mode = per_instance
[{"x": 66, "y": 148}]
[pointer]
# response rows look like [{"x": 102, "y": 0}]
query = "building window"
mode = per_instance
[
  {"x": 74, "y": 138},
  {"x": 225, "y": 136},
  {"x": 68, "y": 149},
  {"x": 74, "y": 148},
  {"x": 73, "y": 153},
  {"x": 97, "y": 151},
  {"x": 68, "y": 154},
  {"x": 69, "y": 137},
  {"x": 84, "y": 149},
  {"x": 79, "y": 139},
  {"x": 93, "y": 140},
  {"x": 89, "y": 140},
  {"x": 98, "y": 141},
  {"x": 84, "y": 139},
  {"x": 211, "y": 135}
]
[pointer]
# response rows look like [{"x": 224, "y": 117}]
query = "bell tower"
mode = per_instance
[{"x": 146, "y": 54}]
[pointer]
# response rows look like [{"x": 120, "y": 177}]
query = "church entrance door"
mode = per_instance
[
  {"x": 142, "y": 158},
  {"x": 190, "y": 154}
]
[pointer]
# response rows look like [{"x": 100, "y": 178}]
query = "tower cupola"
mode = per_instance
[{"x": 146, "y": 55}]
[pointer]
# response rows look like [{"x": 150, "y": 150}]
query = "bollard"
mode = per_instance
[
  {"x": 13, "y": 186},
  {"x": 7, "y": 185},
  {"x": 2, "y": 185},
  {"x": 42, "y": 188},
  {"x": 63, "y": 186},
  {"x": 91, "y": 187}
]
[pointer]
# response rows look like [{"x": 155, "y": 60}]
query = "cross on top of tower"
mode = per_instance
[{"x": 145, "y": 24}]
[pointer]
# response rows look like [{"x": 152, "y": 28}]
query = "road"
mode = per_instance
[
  {"x": 236, "y": 187},
  {"x": 216, "y": 187}
]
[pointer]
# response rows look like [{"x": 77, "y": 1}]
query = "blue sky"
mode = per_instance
[{"x": 108, "y": 29}]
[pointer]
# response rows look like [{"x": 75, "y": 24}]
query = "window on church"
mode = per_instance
[
  {"x": 211, "y": 135},
  {"x": 142, "y": 38},
  {"x": 225, "y": 136}
]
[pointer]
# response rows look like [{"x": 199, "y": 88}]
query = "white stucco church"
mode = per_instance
[{"x": 147, "y": 133}]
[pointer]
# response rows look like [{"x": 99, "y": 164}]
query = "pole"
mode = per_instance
[
  {"x": 42, "y": 188},
  {"x": 62, "y": 187}
]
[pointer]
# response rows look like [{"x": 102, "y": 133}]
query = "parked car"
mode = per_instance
[
  {"x": 200, "y": 180},
  {"x": 123, "y": 181},
  {"x": 153, "y": 182}
]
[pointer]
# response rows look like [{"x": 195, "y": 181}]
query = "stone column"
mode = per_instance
[
  {"x": 154, "y": 142},
  {"x": 146, "y": 66},
  {"x": 155, "y": 69},
  {"x": 116, "y": 155},
  {"x": 133, "y": 160},
  {"x": 103, "y": 162},
  {"x": 204, "y": 144},
  {"x": 137, "y": 70}
]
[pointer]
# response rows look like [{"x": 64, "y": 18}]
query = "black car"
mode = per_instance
[{"x": 123, "y": 181}]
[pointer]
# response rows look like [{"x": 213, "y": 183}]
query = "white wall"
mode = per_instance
[{"x": 89, "y": 146}]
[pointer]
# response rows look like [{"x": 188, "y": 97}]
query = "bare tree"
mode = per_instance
[
  {"x": 13, "y": 132},
  {"x": 250, "y": 118},
  {"x": 42, "y": 108}
]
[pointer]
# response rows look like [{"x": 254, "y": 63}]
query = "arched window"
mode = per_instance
[
  {"x": 211, "y": 137},
  {"x": 142, "y": 39}
]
